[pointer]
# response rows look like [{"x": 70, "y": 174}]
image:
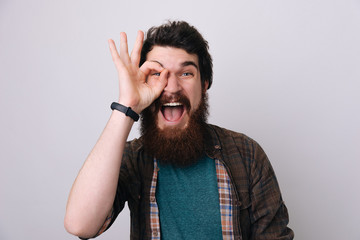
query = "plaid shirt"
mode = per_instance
[
  {"x": 250, "y": 199},
  {"x": 224, "y": 188}
]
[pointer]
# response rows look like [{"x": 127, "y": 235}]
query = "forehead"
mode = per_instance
[{"x": 170, "y": 57}]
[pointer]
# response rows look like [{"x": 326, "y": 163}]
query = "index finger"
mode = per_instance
[
  {"x": 136, "y": 52},
  {"x": 149, "y": 66}
]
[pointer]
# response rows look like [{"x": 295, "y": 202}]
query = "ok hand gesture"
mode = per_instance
[{"x": 136, "y": 89}]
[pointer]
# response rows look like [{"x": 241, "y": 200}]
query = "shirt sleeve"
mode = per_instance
[{"x": 268, "y": 214}]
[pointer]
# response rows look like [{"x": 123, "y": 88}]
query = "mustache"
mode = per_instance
[{"x": 177, "y": 97}]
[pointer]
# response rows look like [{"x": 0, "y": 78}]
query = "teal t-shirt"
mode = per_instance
[{"x": 188, "y": 201}]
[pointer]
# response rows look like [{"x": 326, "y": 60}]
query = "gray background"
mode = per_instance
[{"x": 286, "y": 73}]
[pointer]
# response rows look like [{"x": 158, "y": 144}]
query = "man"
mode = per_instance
[{"x": 184, "y": 178}]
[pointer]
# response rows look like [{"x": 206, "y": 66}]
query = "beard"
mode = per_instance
[{"x": 174, "y": 145}]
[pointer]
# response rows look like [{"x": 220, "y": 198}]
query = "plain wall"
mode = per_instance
[{"x": 286, "y": 73}]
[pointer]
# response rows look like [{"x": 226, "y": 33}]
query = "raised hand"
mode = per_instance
[{"x": 136, "y": 90}]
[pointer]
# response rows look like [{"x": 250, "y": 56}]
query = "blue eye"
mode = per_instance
[
  {"x": 187, "y": 74},
  {"x": 156, "y": 74}
]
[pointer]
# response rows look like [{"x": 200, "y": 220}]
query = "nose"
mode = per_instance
[{"x": 173, "y": 85}]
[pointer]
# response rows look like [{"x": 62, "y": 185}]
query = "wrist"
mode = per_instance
[
  {"x": 134, "y": 105},
  {"x": 128, "y": 111}
]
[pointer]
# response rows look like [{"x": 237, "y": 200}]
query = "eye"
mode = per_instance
[
  {"x": 186, "y": 74},
  {"x": 156, "y": 74}
]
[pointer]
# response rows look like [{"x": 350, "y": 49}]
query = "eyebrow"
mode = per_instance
[
  {"x": 184, "y": 64},
  {"x": 190, "y": 63},
  {"x": 157, "y": 62}
]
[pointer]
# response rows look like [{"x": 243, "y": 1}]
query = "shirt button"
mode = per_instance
[
  {"x": 152, "y": 199},
  {"x": 155, "y": 233},
  {"x": 217, "y": 147}
]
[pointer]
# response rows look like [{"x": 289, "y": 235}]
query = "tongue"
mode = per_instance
[{"x": 172, "y": 113}]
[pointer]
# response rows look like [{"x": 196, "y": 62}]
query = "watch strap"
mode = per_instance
[{"x": 127, "y": 110}]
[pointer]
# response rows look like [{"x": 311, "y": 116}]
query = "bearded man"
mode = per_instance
[{"x": 184, "y": 178}]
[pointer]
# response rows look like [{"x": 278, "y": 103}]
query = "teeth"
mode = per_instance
[{"x": 173, "y": 104}]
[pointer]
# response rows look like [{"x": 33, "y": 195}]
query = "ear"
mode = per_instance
[{"x": 206, "y": 85}]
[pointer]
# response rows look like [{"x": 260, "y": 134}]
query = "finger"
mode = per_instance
[
  {"x": 124, "y": 53},
  {"x": 114, "y": 54},
  {"x": 149, "y": 66},
  {"x": 136, "y": 52},
  {"x": 159, "y": 84}
]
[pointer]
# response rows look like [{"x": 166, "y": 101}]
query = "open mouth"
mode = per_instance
[{"x": 173, "y": 111}]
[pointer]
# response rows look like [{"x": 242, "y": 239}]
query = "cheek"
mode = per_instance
[{"x": 195, "y": 102}]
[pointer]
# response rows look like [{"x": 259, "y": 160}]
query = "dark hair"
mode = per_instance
[{"x": 180, "y": 34}]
